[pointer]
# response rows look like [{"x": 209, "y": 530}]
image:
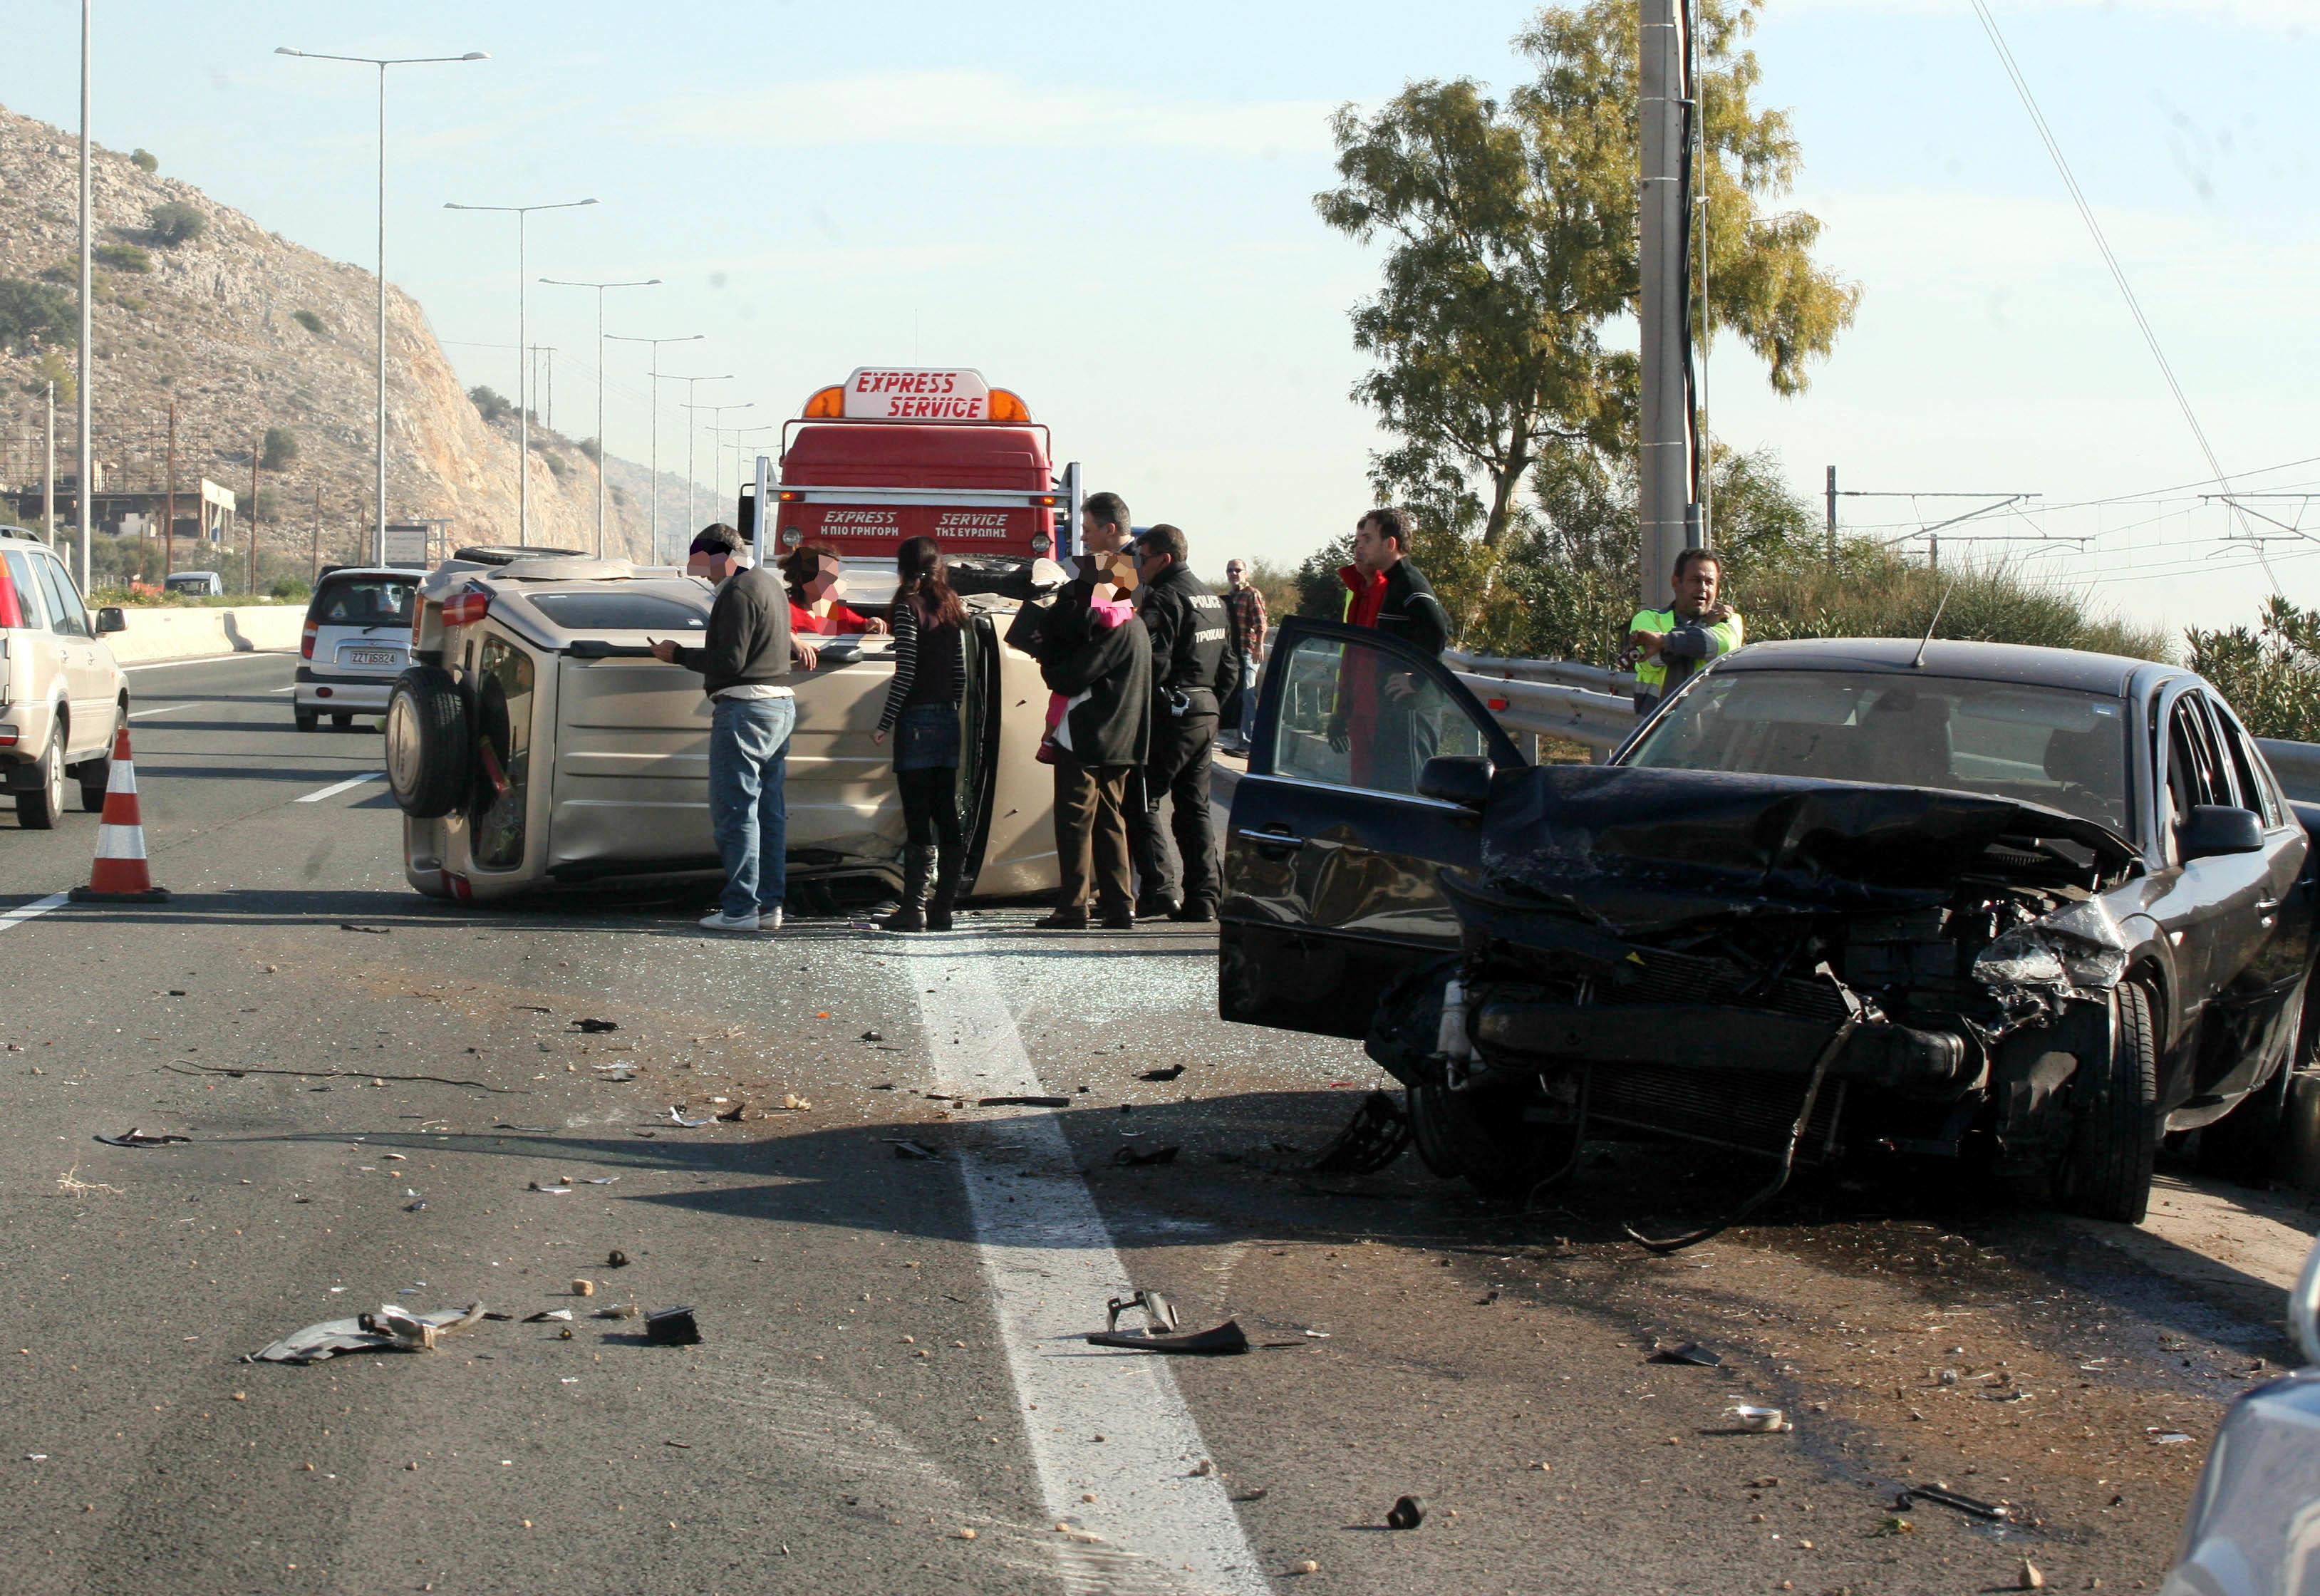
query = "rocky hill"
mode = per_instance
[{"x": 246, "y": 330}]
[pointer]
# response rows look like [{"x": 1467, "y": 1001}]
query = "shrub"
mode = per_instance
[
  {"x": 290, "y": 590},
  {"x": 2270, "y": 677},
  {"x": 55, "y": 368},
  {"x": 122, "y": 257},
  {"x": 281, "y": 449},
  {"x": 310, "y": 321},
  {"x": 144, "y": 160},
  {"x": 589, "y": 447},
  {"x": 490, "y": 404},
  {"x": 173, "y": 223},
  {"x": 30, "y": 311},
  {"x": 555, "y": 466}
]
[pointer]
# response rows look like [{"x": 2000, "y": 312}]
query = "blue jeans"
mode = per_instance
[
  {"x": 1248, "y": 668},
  {"x": 749, "y": 759}
]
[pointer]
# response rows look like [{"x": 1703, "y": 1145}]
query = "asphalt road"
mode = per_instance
[{"x": 377, "y": 1086}]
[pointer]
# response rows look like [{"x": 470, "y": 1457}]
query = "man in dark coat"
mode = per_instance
[
  {"x": 1195, "y": 662},
  {"x": 1104, "y": 673}
]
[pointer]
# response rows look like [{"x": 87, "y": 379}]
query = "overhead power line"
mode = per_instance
[{"x": 2118, "y": 274}]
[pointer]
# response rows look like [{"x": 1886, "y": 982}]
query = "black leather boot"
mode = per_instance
[
  {"x": 918, "y": 871},
  {"x": 946, "y": 896}
]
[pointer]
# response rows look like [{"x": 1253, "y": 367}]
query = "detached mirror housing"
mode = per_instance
[
  {"x": 111, "y": 619},
  {"x": 2212, "y": 828},
  {"x": 1464, "y": 779}
]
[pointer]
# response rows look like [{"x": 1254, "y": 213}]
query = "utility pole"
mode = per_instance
[
  {"x": 88, "y": 341},
  {"x": 169, "y": 527},
  {"x": 314, "y": 565},
  {"x": 1666, "y": 512},
  {"x": 253, "y": 518},
  {"x": 49, "y": 475},
  {"x": 1832, "y": 517}
]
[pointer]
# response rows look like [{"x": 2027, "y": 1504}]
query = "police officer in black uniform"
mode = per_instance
[{"x": 1195, "y": 662}]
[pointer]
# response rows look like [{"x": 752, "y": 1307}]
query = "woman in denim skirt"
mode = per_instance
[{"x": 922, "y": 712}]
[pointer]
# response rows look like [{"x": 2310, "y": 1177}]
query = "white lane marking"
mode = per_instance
[
  {"x": 1051, "y": 1266},
  {"x": 164, "y": 710},
  {"x": 293, "y": 687},
  {"x": 336, "y": 788},
  {"x": 34, "y": 909},
  {"x": 214, "y": 659}
]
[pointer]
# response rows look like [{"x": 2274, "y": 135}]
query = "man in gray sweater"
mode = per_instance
[{"x": 745, "y": 665}]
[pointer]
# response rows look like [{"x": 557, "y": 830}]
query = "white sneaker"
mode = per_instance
[
  {"x": 722, "y": 921},
  {"x": 769, "y": 920}
]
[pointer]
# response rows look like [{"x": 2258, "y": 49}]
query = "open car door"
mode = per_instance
[{"x": 1331, "y": 853}]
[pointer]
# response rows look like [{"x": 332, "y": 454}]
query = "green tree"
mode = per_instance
[
  {"x": 1513, "y": 243},
  {"x": 123, "y": 257},
  {"x": 173, "y": 221},
  {"x": 30, "y": 311},
  {"x": 310, "y": 321},
  {"x": 2272, "y": 676},
  {"x": 491, "y": 403},
  {"x": 281, "y": 448},
  {"x": 53, "y": 367},
  {"x": 144, "y": 160}
]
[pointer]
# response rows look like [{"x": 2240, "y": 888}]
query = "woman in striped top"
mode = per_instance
[{"x": 922, "y": 710}]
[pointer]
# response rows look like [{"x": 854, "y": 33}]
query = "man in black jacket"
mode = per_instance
[
  {"x": 744, "y": 663},
  {"x": 1195, "y": 662},
  {"x": 1105, "y": 675},
  {"x": 1380, "y": 722}
]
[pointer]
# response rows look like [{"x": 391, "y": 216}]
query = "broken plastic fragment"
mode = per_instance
[
  {"x": 1408, "y": 1513},
  {"x": 1225, "y": 1340},
  {"x": 549, "y": 1316},
  {"x": 1026, "y": 1103},
  {"x": 1690, "y": 1352},
  {"x": 1132, "y": 1159},
  {"x": 595, "y": 1027},
  {"x": 672, "y": 1327},
  {"x": 1944, "y": 1496},
  {"x": 134, "y": 1137},
  {"x": 1760, "y": 1421},
  {"x": 905, "y": 1149},
  {"x": 390, "y": 1330},
  {"x": 1156, "y": 1308}
]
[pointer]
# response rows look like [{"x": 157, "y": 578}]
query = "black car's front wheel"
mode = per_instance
[
  {"x": 2105, "y": 1175},
  {"x": 1481, "y": 1136}
]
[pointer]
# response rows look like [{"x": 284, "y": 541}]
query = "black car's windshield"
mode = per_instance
[{"x": 2041, "y": 745}]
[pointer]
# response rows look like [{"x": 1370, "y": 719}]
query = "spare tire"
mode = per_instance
[{"x": 431, "y": 742}]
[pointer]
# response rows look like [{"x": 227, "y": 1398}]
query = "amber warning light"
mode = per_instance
[{"x": 906, "y": 393}]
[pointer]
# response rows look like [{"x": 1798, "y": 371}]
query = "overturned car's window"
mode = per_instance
[
  {"x": 619, "y": 612},
  {"x": 2040, "y": 745}
]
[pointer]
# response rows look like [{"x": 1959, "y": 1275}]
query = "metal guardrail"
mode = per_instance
[
  {"x": 2297, "y": 764},
  {"x": 1548, "y": 709},
  {"x": 1567, "y": 673}
]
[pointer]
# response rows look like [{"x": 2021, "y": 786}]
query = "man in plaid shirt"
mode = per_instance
[{"x": 1245, "y": 612}]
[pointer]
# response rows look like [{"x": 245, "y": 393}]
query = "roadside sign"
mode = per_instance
[{"x": 410, "y": 544}]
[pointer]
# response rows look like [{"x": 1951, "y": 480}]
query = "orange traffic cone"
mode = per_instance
[{"x": 119, "y": 875}]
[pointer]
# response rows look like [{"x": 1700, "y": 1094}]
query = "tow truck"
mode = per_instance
[{"x": 896, "y": 452}]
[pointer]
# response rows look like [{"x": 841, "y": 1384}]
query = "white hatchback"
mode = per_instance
[
  {"x": 357, "y": 642},
  {"x": 62, "y": 695}
]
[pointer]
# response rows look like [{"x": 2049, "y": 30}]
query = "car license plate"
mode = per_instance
[{"x": 372, "y": 657}]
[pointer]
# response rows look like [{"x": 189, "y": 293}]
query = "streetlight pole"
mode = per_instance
[
  {"x": 379, "y": 533},
  {"x": 734, "y": 435},
  {"x": 692, "y": 428},
  {"x": 522, "y": 358},
  {"x": 87, "y": 450},
  {"x": 653, "y": 494},
  {"x": 602, "y": 455},
  {"x": 716, "y": 414}
]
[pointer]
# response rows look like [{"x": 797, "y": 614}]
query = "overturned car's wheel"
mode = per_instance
[
  {"x": 2114, "y": 1130},
  {"x": 430, "y": 743},
  {"x": 1480, "y": 1135}
]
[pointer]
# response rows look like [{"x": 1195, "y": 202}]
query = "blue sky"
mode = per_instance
[{"x": 1112, "y": 214}]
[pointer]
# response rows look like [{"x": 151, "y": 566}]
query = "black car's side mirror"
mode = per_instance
[
  {"x": 1464, "y": 779},
  {"x": 2212, "y": 828},
  {"x": 111, "y": 619}
]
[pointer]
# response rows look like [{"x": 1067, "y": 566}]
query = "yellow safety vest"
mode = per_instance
[{"x": 1652, "y": 675}]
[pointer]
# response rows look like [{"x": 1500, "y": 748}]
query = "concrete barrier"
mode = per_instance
[{"x": 158, "y": 634}]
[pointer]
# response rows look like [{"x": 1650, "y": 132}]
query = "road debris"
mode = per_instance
[
  {"x": 616, "y": 1258},
  {"x": 906, "y": 1149},
  {"x": 1376, "y": 1135},
  {"x": 1407, "y": 1513},
  {"x": 595, "y": 1027},
  {"x": 1129, "y": 1157},
  {"x": 549, "y": 1316},
  {"x": 1225, "y": 1340},
  {"x": 792, "y": 1103},
  {"x": 732, "y": 1116},
  {"x": 672, "y": 1327},
  {"x": 563, "y": 1191},
  {"x": 1156, "y": 1308},
  {"x": 621, "y": 1310},
  {"x": 615, "y": 1074},
  {"x": 1691, "y": 1353},
  {"x": 347, "y": 925},
  {"x": 2167, "y": 1437},
  {"x": 1942, "y": 1496},
  {"x": 70, "y": 1185},
  {"x": 1760, "y": 1421},
  {"x": 238, "y": 1070},
  {"x": 1167, "y": 1073},
  {"x": 2029, "y": 1577},
  {"x": 872, "y": 1036},
  {"x": 584, "y": 1288},
  {"x": 1025, "y": 1102},
  {"x": 134, "y": 1137},
  {"x": 390, "y": 1330},
  {"x": 677, "y": 1116}
]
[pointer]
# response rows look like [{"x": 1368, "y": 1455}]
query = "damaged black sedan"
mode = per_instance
[{"x": 1838, "y": 900}]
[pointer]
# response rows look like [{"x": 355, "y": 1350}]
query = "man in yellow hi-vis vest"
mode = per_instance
[{"x": 1667, "y": 645}]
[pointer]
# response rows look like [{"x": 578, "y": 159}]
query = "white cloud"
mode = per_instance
[
  {"x": 972, "y": 108},
  {"x": 2294, "y": 16}
]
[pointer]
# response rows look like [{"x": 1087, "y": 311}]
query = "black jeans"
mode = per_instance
[
  {"x": 1176, "y": 768},
  {"x": 930, "y": 807}
]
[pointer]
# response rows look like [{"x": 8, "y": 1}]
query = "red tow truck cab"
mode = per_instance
[{"x": 900, "y": 452}]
